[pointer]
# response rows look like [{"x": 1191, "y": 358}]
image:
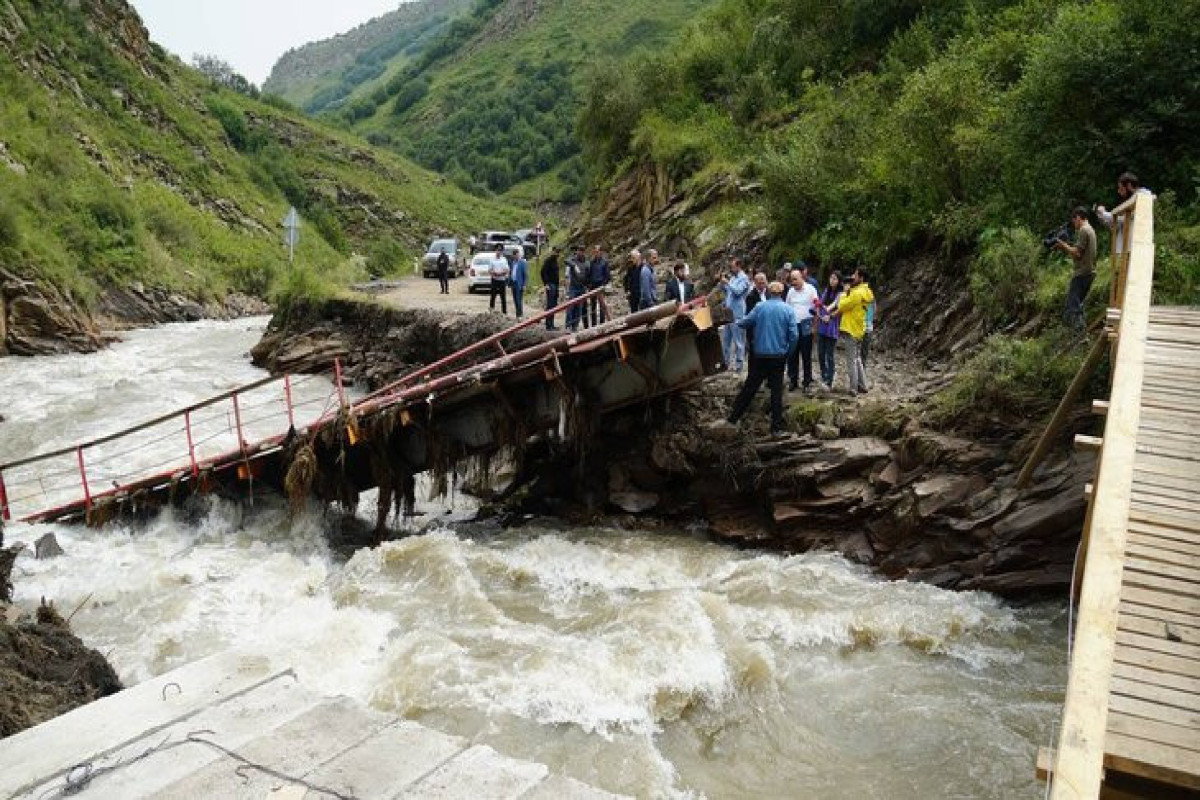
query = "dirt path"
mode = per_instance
[{"x": 423, "y": 293}]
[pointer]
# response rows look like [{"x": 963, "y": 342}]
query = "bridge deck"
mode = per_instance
[{"x": 1153, "y": 728}]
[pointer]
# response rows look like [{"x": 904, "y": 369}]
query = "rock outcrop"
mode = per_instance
[
  {"x": 38, "y": 319},
  {"x": 374, "y": 343}
]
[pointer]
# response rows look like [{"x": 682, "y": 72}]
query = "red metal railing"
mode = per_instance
[{"x": 17, "y": 489}]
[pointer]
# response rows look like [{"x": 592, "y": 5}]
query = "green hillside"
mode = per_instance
[
  {"x": 885, "y": 128},
  {"x": 322, "y": 75},
  {"x": 887, "y": 133},
  {"x": 492, "y": 102},
  {"x": 119, "y": 164}
]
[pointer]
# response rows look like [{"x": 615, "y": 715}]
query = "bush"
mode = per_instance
[
  {"x": 385, "y": 257},
  {"x": 10, "y": 229},
  {"x": 1008, "y": 378},
  {"x": 1005, "y": 273}
]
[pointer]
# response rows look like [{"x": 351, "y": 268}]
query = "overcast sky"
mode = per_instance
[{"x": 251, "y": 34}]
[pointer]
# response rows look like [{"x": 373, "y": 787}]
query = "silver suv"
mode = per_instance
[{"x": 458, "y": 261}]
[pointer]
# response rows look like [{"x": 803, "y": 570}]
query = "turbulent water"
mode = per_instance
[{"x": 650, "y": 664}]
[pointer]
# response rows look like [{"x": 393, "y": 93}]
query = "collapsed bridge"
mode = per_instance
[{"x": 299, "y": 436}]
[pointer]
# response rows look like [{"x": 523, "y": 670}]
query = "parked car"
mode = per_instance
[
  {"x": 479, "y": 274},
  {"x": 529, "y": 240},
  {"x": 494, "y": 239},
  {"x": 458, "y": 262}
]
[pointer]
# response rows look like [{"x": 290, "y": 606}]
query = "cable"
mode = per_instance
[
  {"x": 81, "y": 775},
  {"x": 1070, "y": 653}
]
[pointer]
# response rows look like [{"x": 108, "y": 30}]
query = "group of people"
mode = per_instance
[
  {"x": 1083, "y": 250},
  {"x": 774, "y": 326}
]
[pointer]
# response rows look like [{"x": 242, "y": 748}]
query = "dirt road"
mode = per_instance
[{"x": 423, "y": 293}]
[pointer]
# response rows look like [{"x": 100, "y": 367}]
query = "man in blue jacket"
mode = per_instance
[
  {"x": 772, "y": 323},
  {"x": 733, "y": 337},
  {"x": 520, "y": 277},
  {"x": 648, "y": 287}
]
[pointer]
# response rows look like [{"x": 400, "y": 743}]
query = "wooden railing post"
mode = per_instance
[
  {"x": 237, "y": 417},
  {"x": 187, "y": 426},
  {"x": 287, "y": 397},
  {"x": 1079, "y": 762},
  {"x": 337, "y": 375},
  {"x": 4, "y": 512},
  {"x": 87, "y": 492}
]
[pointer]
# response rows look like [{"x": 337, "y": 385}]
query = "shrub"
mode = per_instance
[
  {"x": 1005, "y": 273},
  {"x": 10, "y": 229}
]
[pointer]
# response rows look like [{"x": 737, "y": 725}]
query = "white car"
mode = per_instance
[{"x": 479, "y": 274}]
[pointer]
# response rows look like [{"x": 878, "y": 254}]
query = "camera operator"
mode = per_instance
[{"x": 1083, "y": 253}]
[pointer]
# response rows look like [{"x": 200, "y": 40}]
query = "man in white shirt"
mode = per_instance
[
  {"x": 499, "y": 274},
  {"x": 802, "y": 297}
]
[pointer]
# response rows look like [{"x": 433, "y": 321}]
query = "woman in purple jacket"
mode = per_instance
[{"x": 827, "y": 328}]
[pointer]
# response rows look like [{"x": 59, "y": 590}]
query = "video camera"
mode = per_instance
[{"x": 1061, "y": 234}]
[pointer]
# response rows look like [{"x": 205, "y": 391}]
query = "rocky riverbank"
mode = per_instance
[
  {"x": 45, "y": 670},
  {"x": 863, "y": 477},
  {"x": 36, "y": 318}
]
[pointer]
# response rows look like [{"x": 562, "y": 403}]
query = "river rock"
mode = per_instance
[
  {"x": 825, "y": 431},
  {"x": 633, "y": 501},
  {"x": 47, "y": 547},
  {"x": 935, "y": 493}
]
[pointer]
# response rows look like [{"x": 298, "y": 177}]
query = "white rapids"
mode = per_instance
[{"x": 645, "y": 663}]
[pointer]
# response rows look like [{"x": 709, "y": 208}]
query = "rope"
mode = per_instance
[
  {"x": 79, "y": 777},
  {"x": 1070, "y": 654}
]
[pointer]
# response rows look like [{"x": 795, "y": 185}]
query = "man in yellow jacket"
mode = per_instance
[{"x": 852, "y": 310}]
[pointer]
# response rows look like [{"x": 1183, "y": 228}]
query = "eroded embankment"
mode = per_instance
[
  {"x": 45, "y": 670},
  {"x": 912, "y": 502}
]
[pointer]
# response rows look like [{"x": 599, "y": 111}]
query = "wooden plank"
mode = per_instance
[
  {"x": 1134, "y": 756},
  {"x": 1149, "y": 580},
  {"x": 1160, "y": 712},
  {"x": 1151, "y": 730},
  {"x": 1079, "y": 766},
  {"x": 1155, "y": 553},
  {"x": 1158, "y": 465},
  {"x": 1160, "y": 645},
  {"x": 1148, "y": 621},
  {"x": 1181, "y": 572},
  {"x": 1156, "y": 694},
  {"x": 1166, "y": 503},
  {"x": 1172, "y": 488},
  {"x": 1158, "y": 599},
  {"x": 1154, "y": 677},
  {"x": 1162, "y": 543},
  {"x": 1165, "y": 533},
  {"x": 1166, "y": 520},
  {"x": 1173, "y": 483},
  {"x": 1160, "y": 662}
]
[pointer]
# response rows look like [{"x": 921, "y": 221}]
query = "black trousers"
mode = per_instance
[
  {"x": 444, "y": 280},
  {"x": 801, "y": 354},
  {"x": 762, "y": 368},
  {"x": 599, "y": 314},
  {"x": 1077, "y": 293},
  {"x": 551, "y": 302},
  {"x": 499, "y": 289}
]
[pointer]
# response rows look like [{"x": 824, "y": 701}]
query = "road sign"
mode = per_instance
[{"x": 291, "y": 232}]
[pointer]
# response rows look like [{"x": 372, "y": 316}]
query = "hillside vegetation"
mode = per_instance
[
  {"x": 322, "y": 75},
  {"x": 119, "y": 165},
  {"x": 492, "y": 101},
  {"x": 884, "y": 129}
]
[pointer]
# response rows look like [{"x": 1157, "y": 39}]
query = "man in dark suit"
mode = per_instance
[
  {"x": 679, "y": 288},
  {"x": 758, "y": 293}
]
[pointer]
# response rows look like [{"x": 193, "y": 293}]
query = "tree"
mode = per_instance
[{"x": 222, "y": 73}]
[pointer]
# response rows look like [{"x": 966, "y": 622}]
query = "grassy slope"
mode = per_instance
[
  {"x": 500, "y": 109},
  {"x": 129, "y": 177},
  {"x": 324, "y": 74}
]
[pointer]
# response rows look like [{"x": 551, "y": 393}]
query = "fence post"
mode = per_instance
[
  {"x": 287, "y": 396},
  {"x": 337, "y": 374},
  {"x": 237, "y": 417},
  {"x": 4, "y": 513},
  {"x": 87, "y": 493},
  {"x": 187, "y": 426}
]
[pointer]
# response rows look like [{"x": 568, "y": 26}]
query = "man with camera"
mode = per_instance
[{"x": 1083, "y": 253}]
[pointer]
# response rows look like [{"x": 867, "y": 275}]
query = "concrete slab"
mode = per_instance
[
  {"x": 399, "y": 755},
  {"x": 295, "y": 748},
  {"x": 249, "y": 712},
  {"x": 31, "y": 757},
  {"x": 135, "y": 771},
  {"x": 478, "y": 773}
]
